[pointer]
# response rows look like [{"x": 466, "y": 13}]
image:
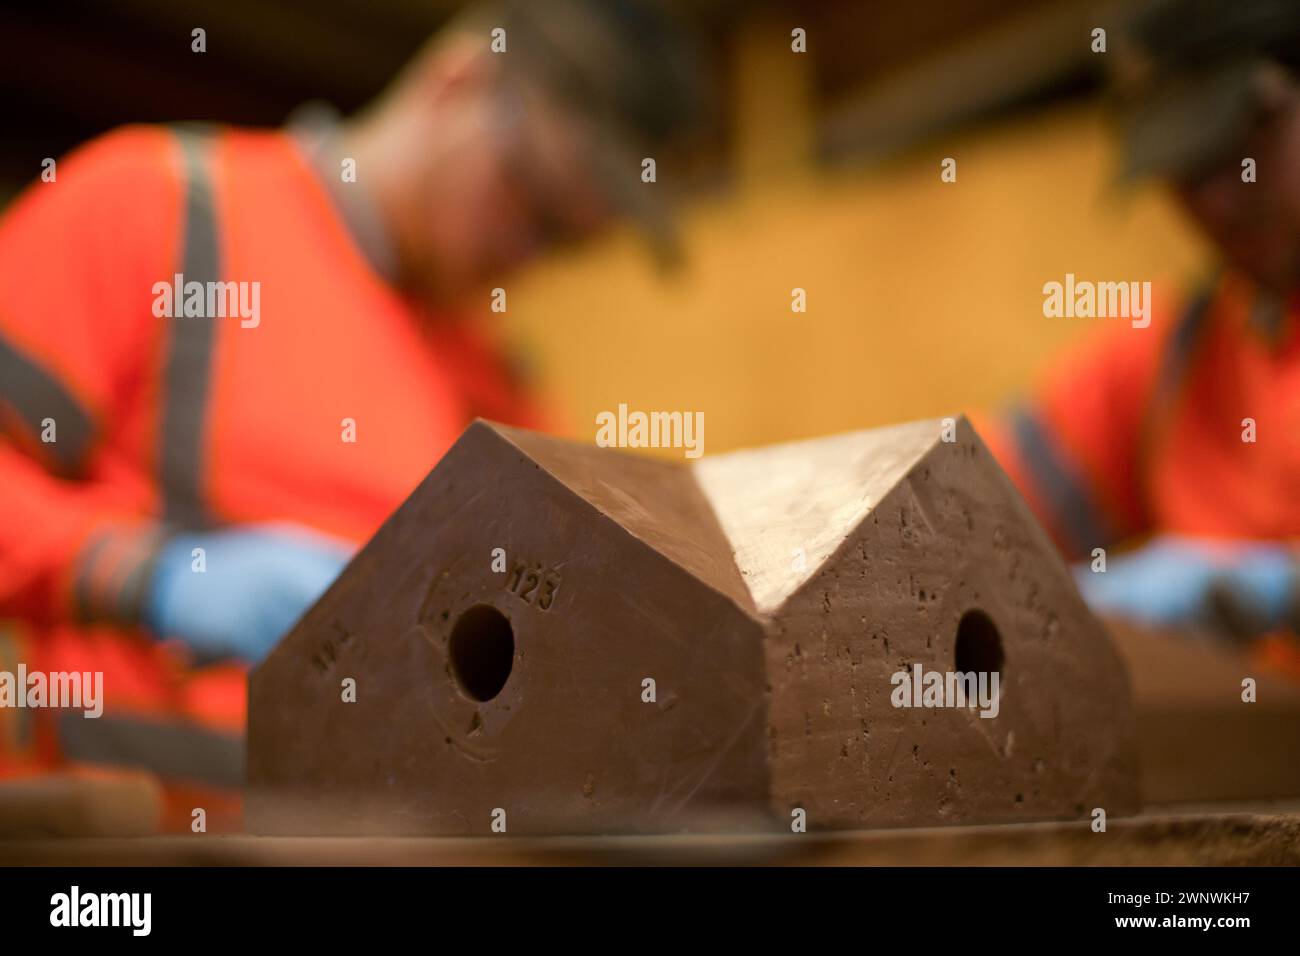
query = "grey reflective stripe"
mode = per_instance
[
  {"x": 83, "y": 590},
  {"x": 1177, "y": 357},
  {"x": 1076, "y": 515},
  {"x": 1268, "y": 316},
  {"x": 118, "y": 595},
  {"x": 1181, "y": 348},
  {"x": 134, "y": 586},
  {"x": 36, "y": 395},
  {"x": 176, "y": 751},
  {"x": 188, "y": 370}
]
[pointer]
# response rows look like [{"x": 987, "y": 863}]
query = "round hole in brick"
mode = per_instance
[
  {"x": 979, "y": 645},
  {"x": 482, "y": 651}
]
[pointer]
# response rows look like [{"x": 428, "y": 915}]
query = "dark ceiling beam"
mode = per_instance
[{"x": 1044, "y": 49}]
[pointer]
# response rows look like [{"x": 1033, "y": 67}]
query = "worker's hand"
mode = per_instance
[
  {"x": 243, "y": 591},
  {"x": 1235, "y": 588}
]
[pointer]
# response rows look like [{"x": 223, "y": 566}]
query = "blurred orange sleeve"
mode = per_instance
[{"x": 78, "y": 259}]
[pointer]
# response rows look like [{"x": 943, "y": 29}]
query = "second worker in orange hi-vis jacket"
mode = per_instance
[
  {"x": 1187, "y": 430},
  {"x": 226, "y": 356}
]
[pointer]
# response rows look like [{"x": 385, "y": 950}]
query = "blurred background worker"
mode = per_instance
[
  {"x": 178, "y": 486},
  {"x": 1189, "y": 430}
]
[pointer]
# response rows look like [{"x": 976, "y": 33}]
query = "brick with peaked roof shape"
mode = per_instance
[{"x": 770, "y": 595}]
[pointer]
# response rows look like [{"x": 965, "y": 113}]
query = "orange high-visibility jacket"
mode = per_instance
[
  {"x": 1190, "y": 426},
  {"x": 117, "y": 421}
]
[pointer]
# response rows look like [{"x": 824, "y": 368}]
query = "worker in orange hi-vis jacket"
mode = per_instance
[
  {"x": 227, "y": 355},
  {"x": 1186, "y": 430}
]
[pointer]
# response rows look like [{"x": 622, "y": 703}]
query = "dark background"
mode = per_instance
[{"x": 72, "y": 69}]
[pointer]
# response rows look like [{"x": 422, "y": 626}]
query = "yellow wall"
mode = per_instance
[{"x": 923, "y": 297}]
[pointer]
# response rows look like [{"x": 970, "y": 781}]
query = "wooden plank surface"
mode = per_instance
[
  {"x": 1198, "y": 741},
  {"x": 1212, "y": 836}
]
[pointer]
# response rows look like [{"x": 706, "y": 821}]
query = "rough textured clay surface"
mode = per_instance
[{"x": 770, "y": 595}]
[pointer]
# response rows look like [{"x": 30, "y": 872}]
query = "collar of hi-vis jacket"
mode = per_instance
[{"x": 316, "y": 128}]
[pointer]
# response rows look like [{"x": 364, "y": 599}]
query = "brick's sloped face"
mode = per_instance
[
  {"x": 518, "y": 690},
  {"x": 952, "y": 538}
]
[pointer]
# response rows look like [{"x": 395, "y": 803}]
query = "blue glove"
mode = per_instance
[
  {"x": 256, "y": 583},
  {"x": 1182, "y": 582}
]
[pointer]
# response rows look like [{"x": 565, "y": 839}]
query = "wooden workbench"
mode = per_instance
[{"x": 1213, "y": 836}]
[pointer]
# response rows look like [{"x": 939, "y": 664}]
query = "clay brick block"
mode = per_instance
[{"x": 771, "y": 595}]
